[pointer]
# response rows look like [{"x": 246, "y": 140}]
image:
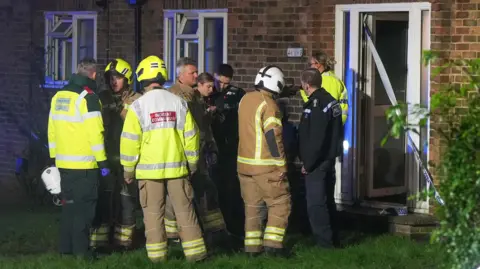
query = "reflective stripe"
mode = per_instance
[
  {"x": 253, "y": 234},
  {"x": 157, "y": 166},
  {"x": 128, "y": 169},
  {"x": 272, "y": 120},
  {"x": 130, "y": 136},
  {"x": 253, "y": 242},
  {"x": 75, "y": 118},
  {"x": 156, "y": 250},
  {"x": 98, "y": 147},
  {"x": 159, "y": 125},
  {"x": 273, "y": 237},
  {"x": 193, "y": 243},
  {"x": 127, "y": 158},
  {"x": 52, "y": 145},
  {"x": 195, "y": 251},
  {"x": 191, "y": 153},
  {"x": 189, "y": 133},
  {"x": 92, "y": 114},
  {"x": 275, "y": 230},
  {"x": 332, "y": 103},
  {"x": 170, "y": 229},
  {"x": 261, "y": 161},
  {"x": 258, "y": 130},
  {"x": 74, "y": 158}
]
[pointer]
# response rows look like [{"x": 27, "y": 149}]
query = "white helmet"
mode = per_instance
[
  {"x": 51, "y": 179},
  {"x": 270, "y": 78}
]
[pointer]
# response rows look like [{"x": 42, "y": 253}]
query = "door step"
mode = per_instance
[{"x": 374, "y": 220}]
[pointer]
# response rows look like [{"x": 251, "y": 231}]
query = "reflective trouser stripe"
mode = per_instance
[
  {"x": 124, "y": 234},
  {"x": 274, "y": 234},
  {"x": 157, "y": 251},
  {"x": 260, "y": 161},
  {"x": 99, "y": 236},
  {"x": 253, "y": 238},
  {"x": 213, "y": 220},
  {"x": 194, "y": 247},
  {"x": 171, "y": 226}
]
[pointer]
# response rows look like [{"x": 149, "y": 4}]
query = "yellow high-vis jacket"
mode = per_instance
[
  {"x": 75, "y": 126},
  {"x": 335, "y": 87},
  {"x": 160, "y": 139}
]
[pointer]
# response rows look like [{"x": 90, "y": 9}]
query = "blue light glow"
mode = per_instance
[{"x": 350, "y": 85}]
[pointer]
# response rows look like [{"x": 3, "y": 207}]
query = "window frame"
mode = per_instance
[
  {"x": 70, "y": 35},
  {"x": 173, "y": 22}
]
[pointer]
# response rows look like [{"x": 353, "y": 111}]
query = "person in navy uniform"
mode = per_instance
[
  {"x": 224, "y": 104},
  {"x": 319, "y": 129}
]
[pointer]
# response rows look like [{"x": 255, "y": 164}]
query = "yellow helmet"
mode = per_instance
[
  {"x": 119, "y": 67},
  {"x": 151, "y": 69}
]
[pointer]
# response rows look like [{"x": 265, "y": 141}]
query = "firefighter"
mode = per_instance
[
  {"x": 333, "y": 85},
  {"x": 117, "y": 200},
  {"x": 206, "y": 193},
  {"x": 262, "y": 165},
  {"x": 76, "y": 142},
  {"x": 225, "y": 129},
  {"x": 160, "y": 146},
  {"x": 319, "y": 128}
]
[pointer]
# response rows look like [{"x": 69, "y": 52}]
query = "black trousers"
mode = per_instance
[
  {"x": 228, "y": 186},
  {"x": 79, "y": 191},
  {"x": 320, "y": 189}
]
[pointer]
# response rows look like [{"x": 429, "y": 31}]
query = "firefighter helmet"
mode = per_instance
[
  {"x": 121, "y": 68},
  {"x": 270, "y": 78},
  {"x": 151, "y": 70},
  {"x": 51, "y": 179}
]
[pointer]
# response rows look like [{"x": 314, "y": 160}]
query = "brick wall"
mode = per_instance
[{"x": 259, "y": 33}]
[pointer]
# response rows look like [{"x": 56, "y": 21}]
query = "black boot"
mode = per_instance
[{"x": 277, "y": 252}]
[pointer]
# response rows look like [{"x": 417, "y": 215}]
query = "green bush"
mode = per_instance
[{"x": 456, "y": 112}]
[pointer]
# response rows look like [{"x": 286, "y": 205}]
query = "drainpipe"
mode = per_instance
[{"x": 138, "y": 37}]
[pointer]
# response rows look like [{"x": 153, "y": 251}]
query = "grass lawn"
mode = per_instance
[{"x": 29, "y": 240}]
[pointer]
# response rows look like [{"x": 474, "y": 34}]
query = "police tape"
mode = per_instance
[{"x": 391, "y": 95}]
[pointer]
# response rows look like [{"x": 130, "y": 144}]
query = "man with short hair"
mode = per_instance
[
  {"x": 319, "y": 129},
  {"x": 76, "y": 142},
  {"x": 205, "y": 191}
]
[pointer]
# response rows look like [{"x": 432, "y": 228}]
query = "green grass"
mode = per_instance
[{"x": 29, "y": 240}]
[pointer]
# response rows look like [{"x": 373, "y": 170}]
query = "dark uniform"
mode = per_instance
[
  {"x": 319, "y": 129},
  {"x": 117, "y": 200},
  {"x": 75, "y": 138},
  {"x": 225, "y": 132}
]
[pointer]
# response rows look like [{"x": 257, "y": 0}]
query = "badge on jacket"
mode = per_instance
[{"x": 336, "y": 110}]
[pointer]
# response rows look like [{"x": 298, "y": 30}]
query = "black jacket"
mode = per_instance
[{"x": 319, "y": 130}]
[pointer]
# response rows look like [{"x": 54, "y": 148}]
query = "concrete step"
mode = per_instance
[{"x": 378, "y": 220}]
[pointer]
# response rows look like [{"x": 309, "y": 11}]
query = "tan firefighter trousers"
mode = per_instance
[
  {"x": 275, "y": 192},
  {"x": 152, "y": 200},
  {"x": 206, "y": 199}
]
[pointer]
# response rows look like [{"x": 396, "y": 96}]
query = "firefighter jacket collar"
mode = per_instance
[{"x": 79, "y": 81}]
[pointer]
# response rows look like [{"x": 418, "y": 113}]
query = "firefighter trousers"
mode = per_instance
[
  {"x": 115, "y": 214},
  {"x": 274, "y": 191},
  {"x": 152, "y": 200},
  {"x": 206, "y": 201},
  {"x": 79, "y": 195},
  {"x": 321, "y": 207}
]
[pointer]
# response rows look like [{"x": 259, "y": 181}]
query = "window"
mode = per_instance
[
  {"x": 69, "y": 37},
  {"x": 198, "y": 34}
]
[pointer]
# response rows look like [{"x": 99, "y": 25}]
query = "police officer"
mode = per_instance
[
  {"x": 319, "y": 128},
  {"x": 117, "y": 200},
  {"x": 75, "y": 138},
  {"x": 160, "y": 144},
  {"x": 262, "y": 165},
  {"x": 225, "y": 130}
]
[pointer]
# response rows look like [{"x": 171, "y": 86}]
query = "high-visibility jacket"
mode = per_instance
[
  {"x": 260, "y": 148},
  {"x": 159, "y": 138},
  {"x": 75, "y": 126},
  {"x": 335, "y": 87}
]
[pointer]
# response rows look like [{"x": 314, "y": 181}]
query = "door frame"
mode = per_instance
[{"x": 350, "y": 188}]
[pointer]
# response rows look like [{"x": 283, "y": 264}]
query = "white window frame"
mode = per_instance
[
  {"x": 178, "y": 24},
  {"x": 51, "y": 81},
  {"x": 349, "y": 171}
]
